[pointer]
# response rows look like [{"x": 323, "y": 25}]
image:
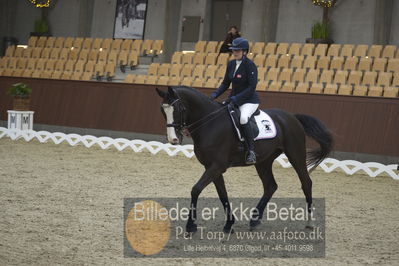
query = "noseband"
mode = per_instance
[{"x": 181, "y": 110}]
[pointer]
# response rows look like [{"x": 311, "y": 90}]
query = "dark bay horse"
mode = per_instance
[{"x": 217, "y": 147}]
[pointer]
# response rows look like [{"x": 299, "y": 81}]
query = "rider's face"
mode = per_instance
[{"x": 238, "y": 54}]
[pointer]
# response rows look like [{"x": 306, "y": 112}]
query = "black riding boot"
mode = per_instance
[{"x": 249, "y": 139}]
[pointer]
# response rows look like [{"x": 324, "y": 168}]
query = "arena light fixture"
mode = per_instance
[{"x": 40, "y": 3}]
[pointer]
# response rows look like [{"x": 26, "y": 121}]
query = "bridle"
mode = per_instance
[{"x": 191, "y": 128}]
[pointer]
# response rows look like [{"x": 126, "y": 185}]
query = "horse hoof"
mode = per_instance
[
  {"x": 228, "y": 230},
  {"x": 253, "y": 224},
  {"x": 191, "y": 228},
  {"x": 309, "y": 225}
]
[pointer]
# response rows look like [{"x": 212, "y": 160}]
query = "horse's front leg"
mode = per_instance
[
  {"x": 222, "y": 192},
  {"x": 206, "y": 178}
]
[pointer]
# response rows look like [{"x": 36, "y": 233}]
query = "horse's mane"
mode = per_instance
[{"x": 195, "y": 92}]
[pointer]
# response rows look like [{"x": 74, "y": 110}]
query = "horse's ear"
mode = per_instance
[
  {"x": 162, "y": 94},
  {"x": 171, "y": 92}
]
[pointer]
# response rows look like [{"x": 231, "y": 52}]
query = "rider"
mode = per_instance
[{"x": 243, "y": 75}]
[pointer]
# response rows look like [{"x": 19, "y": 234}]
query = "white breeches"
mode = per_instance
[{"x": 247, "y": 110}]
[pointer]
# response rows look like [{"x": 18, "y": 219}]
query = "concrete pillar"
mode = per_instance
[
  {"x": 172, "y": 17},
  {"x": 382, "y": 21}
]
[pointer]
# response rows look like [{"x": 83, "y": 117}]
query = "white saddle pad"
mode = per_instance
[{"x": 265, "y": 123}]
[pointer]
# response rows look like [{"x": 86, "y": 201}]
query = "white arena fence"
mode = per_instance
[{"x": 328, "y": 165}]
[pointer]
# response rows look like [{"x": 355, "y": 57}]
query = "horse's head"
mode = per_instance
[{"x": 173, "y": 110}]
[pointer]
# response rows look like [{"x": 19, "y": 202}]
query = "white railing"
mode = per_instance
[{"x": 328, "y": 165}]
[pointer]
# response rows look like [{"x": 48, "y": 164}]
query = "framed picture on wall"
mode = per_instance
[{"x": 130, "y": 19}]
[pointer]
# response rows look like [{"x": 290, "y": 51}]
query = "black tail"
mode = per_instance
[{"x": 315, "y": 129}]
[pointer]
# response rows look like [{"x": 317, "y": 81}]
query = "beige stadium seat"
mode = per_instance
[
  {"x": 313, "y": 75},
  {"x": 106, "y": 45},
  {"x": 326, "y": 76},
  {"x": 76, "y": 76},
  {"x": 258, "y": 48},
  {"x": 361, "y": 50},
  {"x": 308, "y": 49},
  {"x": 50, "y": 65},
  {"x": 211, "y": 47},
  {"x": 273, "y": 74},
  {"x": 316, "y": 88},
  {"x": 286, "y": 75},
  {"x": 380, "y": 64},
  {"x": 59, "y": 42},
  {"x": 59, "y": 65},
  {"x": 97, "y": 43},
  {"x": 210, "y": 72},
  {"x": 46, "y": 74},
  {"x": 360, "y": 90},
  {"x": 37, "y": 52},
  {"x": 41, "y": 42},
  {"x": 50, "y": 42},
  {"x": 78, "y": 43},
  {"x": 211, "y": 83},
  {"x": 198, "y": 71},
  {"x": 177, "y": 58},
  {"x": 337, "y": 63},
  {"x": 186, "y": 81},
  {"x": 110, "y": 71},
  {"x": 133, "y": 60},
  {"x": 302, "y": 87},
  {"x": 395, "y": 81},
  {"x": 64, "y": 54},
  {"x": 321, "y": 50},
  {"x": 99, "y": 70},
  {"x": 347, "y": 50},
  {"x": 157, "y": 47},
  {"x": 211, "y": 58},
  {"x": 355, "y": 77},
  {"x": 56, "y": 75},
  {"x": 45, "y": 53},
  {"x": 297, "y": 61},
  {"x": 188, "y": 58},
  {"x": 27, "y": 53},
  {"x": 113, "y": 57},
  {"x": 153, "y": 69},
  {"x": 19, "y": 51},
  {"x": 187, "y": 71},
  {"x": 73, "y": 54},
  {"x": 200, "y": 46},
  {"x": 31, "y": 64},
  {"x": 7, "y": 72},
  {"x": 250, "y": 56},
  {"x": 129, "y": 78},
  {"x": 40, "y": 64},
  {"x": 262, "y": 86},
  {"x": 163, "y": 69},
  {"x": 146, "y": 48},
  {"x": 69, "y": 66},
  {"x": 345, "y": 89},
  {"x": 86, "y": 76},
  {"x": 365, "y": 64},
  {"x": 389, "y": 51},
  {"x": 275, "y": 85},
  {"x": 79, "y": 67},
  {"x": 87, "y": 43},
  {"x": 199, "y": 58},
  {"x": 282, "y": 48},
  {"x": 299, "y": 75},
  {"x": 270, "y": 48},
  {"x": 102, "y": 56},
  {"x": 375, "y": 51},
  {"x": 288, "y": 87},
  {"x": 136, "y": 46},
  {"x": 163, "y": 80},
  {"x": 223, "y": 59},
  {"x": 323, "y": 62},
  {"x": 284, "y": 61},
  {"x": 12, "y": 63},
  {"x": 83, "y": 55},
  {"x": 17, "y": 72},
  {"x": 375, "y": 91},
  {"x": 259, "y": 60},
  {"x": 93, "y": 55},
  {"x": 55, "y": 53},
  {"x": 10, "y": 51},
  {"x": 175, "y": 70},
  {"x": 27, "y": 73},
  {"x": 32, "y": 41},
  {"x": 351, "y": 63},
  {"x": 384, "y": 79},
  {"x": 116, "y": 45},
  {"x": 66, "y": 75},
  {"x": 140, "y": 79},
  {"x": 21, "y": 63},
  {"x": 220, "y": 72},
  {"x": 127, "y": 45},
  {"x": 310, "y": 62},
  {"x": 331, "y": 89},
  {"x": 369, "y": 78},
  {"x": 4, "y": 62},
  {"x": 391, "y": 92},
  {"x": 174, "y": 81},
  {"x": 219, "y": 46},
  {"x": 68, "y": 43},
  {"x": 341, "y": 77},
  {"x": 393, "y": 65},
  {"x": 334, "y": 50},
  {"x": 89, "y": 67},
  {"x": 295, "y": 49},
  {"x": 271, "y": 61},
  {"x": 262, "y": 73},
  {"x": 198, "y": 83}
]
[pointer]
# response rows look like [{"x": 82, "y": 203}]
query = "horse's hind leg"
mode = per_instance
[
  {"x": 265, "y": 173},
  {"x": 297, "y": 159},
  {"x": 222, "y": 192}
]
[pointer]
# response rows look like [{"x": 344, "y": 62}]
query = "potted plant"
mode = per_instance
[
  {"x": 21, "y": 93},
  {"x": 320, "y": 33}
]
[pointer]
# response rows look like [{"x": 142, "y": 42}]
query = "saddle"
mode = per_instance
[{"x": 262, "y": 125}]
